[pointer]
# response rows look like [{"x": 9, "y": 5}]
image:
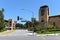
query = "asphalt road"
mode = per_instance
[{"x": 25, "y": 35}]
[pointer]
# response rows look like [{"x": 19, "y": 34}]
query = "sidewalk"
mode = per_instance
[{"x": 7, "y": 33}]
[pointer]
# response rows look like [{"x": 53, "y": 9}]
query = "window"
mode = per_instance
[
  {"x": 42, "y": 12},
  {"x": 42, "y": 20},
  {"x": 54, "y": 23},
  {"x": 42, "y": 23}
]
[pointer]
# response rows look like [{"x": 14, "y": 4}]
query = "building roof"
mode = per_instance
[
  {"x": 44, "y": 6},
  {"x": 6, "y": 20},
  {"x": 54, "y": 16}
]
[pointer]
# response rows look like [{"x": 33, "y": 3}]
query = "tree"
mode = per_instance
[
  {"x": 34, "y": 25},
  {"x": 6, "y": 24},
  {"x": 19, "y": 26},
  {"x": 51, "y": 27},
  {"x": 1, "y": 19},
  {"x": 28, "y": 24}
]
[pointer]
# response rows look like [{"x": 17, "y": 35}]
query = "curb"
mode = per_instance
[{"x": 46, "y": 34}]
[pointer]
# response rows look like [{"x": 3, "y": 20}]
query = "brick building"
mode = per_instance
[
  {"x": 45, "y": 19},
  {"x": 10, "y": 24}
]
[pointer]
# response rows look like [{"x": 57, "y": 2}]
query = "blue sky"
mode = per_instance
[{"x": 13, "y": 8}]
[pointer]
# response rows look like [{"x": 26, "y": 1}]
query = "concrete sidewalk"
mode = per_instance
[
  {"x": 7, "y": 33},
  {"x": 45, "y": 34}
]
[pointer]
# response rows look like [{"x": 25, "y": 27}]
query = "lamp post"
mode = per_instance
[{"x": 32, "y": 17}]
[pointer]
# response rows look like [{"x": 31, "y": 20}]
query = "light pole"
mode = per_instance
[{"x": 32, "y": 17}]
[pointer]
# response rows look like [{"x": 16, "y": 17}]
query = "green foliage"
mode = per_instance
[
  {"x": 45, "y": 32},
  {"x": 1, "y": 20},
  {"x": 35, "y": 26},
  {"x": 30, "y": 28},
  {"x": 19, "y": 26},
  {"x": 2, "y": 24},
  {"x": 41, "y": 29},
  {"x": 5, "y": 24},
  {"x": 51, "y": 27},
  {"x": 2, "y": 30},
  {"x": 47, "y": 29}
]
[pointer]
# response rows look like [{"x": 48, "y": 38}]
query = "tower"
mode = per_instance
[{"x": 43, "y": 15}]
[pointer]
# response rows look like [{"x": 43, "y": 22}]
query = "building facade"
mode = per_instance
[
  {"x": 10, "y": 24},
  {"x": 45, "y": 19},
  {"x": 43, "y": 15},
  {"x": 55, "y": 20}
]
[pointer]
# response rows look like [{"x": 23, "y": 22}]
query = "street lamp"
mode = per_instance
[{"x": 32, "y": 17}]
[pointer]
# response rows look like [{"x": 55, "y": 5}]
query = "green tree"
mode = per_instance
[
  {"x": 28, "y": 24},
  {"x": 34, "y": 26},
  {"x": 19, "y": 26},
  {"x": 2, "y": 19},
  {"x": 51, "y": 27}
]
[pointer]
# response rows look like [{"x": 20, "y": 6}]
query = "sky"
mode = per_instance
[{"x": 13, "y": 8}]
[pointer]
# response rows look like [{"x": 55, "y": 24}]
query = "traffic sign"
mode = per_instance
[{"x": 24, "y": 21}]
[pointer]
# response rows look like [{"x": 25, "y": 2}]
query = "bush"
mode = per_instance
[
  {"x": 2, "y": 30},
  {"x": 30, "y": 28}
]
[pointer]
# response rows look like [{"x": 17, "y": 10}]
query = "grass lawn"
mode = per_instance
[
  {"x": 47, "y": 32},
  {"x": 2, "y": 30}
]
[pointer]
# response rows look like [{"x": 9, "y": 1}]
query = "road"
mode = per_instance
[{"x": 25, "y": 35}]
